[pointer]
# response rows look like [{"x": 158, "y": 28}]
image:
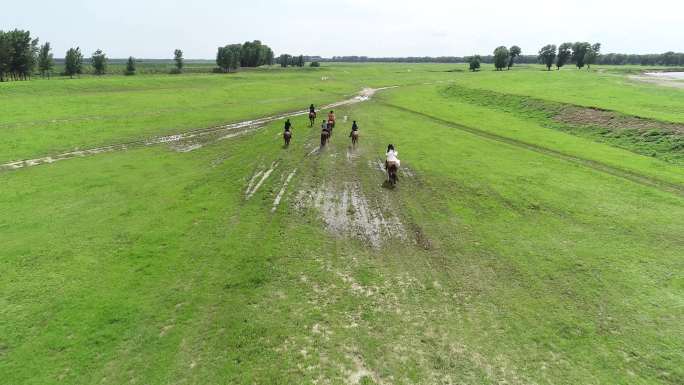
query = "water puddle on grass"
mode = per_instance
[
  {"x": 666, "y": 79},
  {"x": 348, "y": 212}
]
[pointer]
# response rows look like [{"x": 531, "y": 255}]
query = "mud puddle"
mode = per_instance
[{"x": 347, "y": 211}]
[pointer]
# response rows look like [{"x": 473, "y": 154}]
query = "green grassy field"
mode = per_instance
[{"x": 512, "y": 250}]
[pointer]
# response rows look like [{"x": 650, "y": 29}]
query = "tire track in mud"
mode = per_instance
[
  {"x": 189, "y": 140},
  {"x": 595, "y": 165}
]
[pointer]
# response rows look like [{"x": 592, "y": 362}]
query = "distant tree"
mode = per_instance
[
  {"x": 513, "y": 52},
  {"x": 222, "y": 60},
  {"x": 234, "y": 51},
  {"x": 315, "y": 64},
  {"x": 99, "y": 62},
  {"x": 474, "y": 62},
  {"x": 73, "y": 62},
  {"x": 592, "y": 54},
  {"x": 130, "y": 66},
  {"x": 547, "y": 55},
  {"x": 266, "y": 55},
  {"x": 21, "y": 55},
  {"x": 178, "y": 59},
  {"x": 500, "y": 58},
  {"x": 228, "y": 58},
  {"x": 579, "y": 53},
  {"x": 285, "y": 60},
  {"x": 269, "y": 56},
  {"x": 45, "y": 60},
  {"x": 300, "y": 61},
  {"x": 5, "y": 55},
  {"x": 564, "y": 53}
]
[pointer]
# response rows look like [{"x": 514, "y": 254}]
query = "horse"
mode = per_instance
[
  {"x": 312, "y": 118},
  {"x": 355, "y": 137},
  {"x": 392, "y": 173},
  {"x": 331, "y": 125},
  {"x": 325, "y": 136},
  {"x": 287, "y": 135}
]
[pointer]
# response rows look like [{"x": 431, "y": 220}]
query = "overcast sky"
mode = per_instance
[{"x": 154, "y": 28}]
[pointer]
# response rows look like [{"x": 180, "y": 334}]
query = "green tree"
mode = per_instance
[
  {"x": 474, "y": 62},
  {"x": 99, "y": 62},
  {"x": 564, "y": 53},
  {"x": 315, "y": 64},
  {"x": 5, "y": 55},
  {"x": 229, "y": 58},
  {"x": 547, "y": 55},
  {"x": 500, "y": 58},
  {"x": 73, "y": 62},
  {"x": 45, "y": 60},
  {"x": 178, "y": 58},
  {"x": 592, "y": 55},
  {"x": 130, "y": 66},
  {"x": 285, "y": 60},
  {"x": 23, "y": 54},
  {"x": 18, "y": 55},
  {"x": 300, "y": 61},
  {"x": 579, "y": 53},
  {"x": 513, "y": 52},
  {"x": 269, "y": 56}
]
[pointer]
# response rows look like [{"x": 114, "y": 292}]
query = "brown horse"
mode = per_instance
[
  {"x": 355, "y": 137},
  {"x": 287, "y": 135},
  {"x": 392, "y": 173},
  {"x": 325, "y": 136},
  {"x": 312, "y": 118}
]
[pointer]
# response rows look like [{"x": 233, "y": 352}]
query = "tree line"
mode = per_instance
[
  {"x": 21, "y": 55},
  {"x": 663, "y": 59},
  {"x": 580, "y": 53},
  {"x": 286, "y": 60},
  {"x": 250, "y": 54}
]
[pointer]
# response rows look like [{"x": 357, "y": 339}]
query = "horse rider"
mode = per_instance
[
  {"x": 355, "y": 128},
  {"x": 312, "y": 109},
  {"x": 288, "y": 125},
  {"x": 331, "y": 118},
  {"x": 391, "y": 157}
]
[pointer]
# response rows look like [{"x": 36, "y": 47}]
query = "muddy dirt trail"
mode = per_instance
[{"x": 189, "y": 140}]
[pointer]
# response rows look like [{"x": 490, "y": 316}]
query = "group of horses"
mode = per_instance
[{"x": 326, "y": 133}]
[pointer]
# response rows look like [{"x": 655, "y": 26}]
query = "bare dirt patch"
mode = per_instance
[{"x": 612, "y": 120}]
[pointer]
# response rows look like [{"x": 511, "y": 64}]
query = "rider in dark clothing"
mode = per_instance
[
  {"x": 312, "y": 109},
  {"x": 287, "y": 125},
  {"x": 355, "y": 127}
]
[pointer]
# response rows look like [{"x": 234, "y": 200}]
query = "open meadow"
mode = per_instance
[{"x": 148, "y": 235}]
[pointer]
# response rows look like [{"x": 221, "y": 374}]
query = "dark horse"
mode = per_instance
[
  {"x": 392, "y": 173},
  {"x": 287, "y": 135},
  {"x": 355, "y": 137},
  {"x": 325, "y": 135},
  {"x": 312, "y": 118}
]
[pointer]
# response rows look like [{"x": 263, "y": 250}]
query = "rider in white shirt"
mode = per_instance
[{"x": 392, "y": 156}]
